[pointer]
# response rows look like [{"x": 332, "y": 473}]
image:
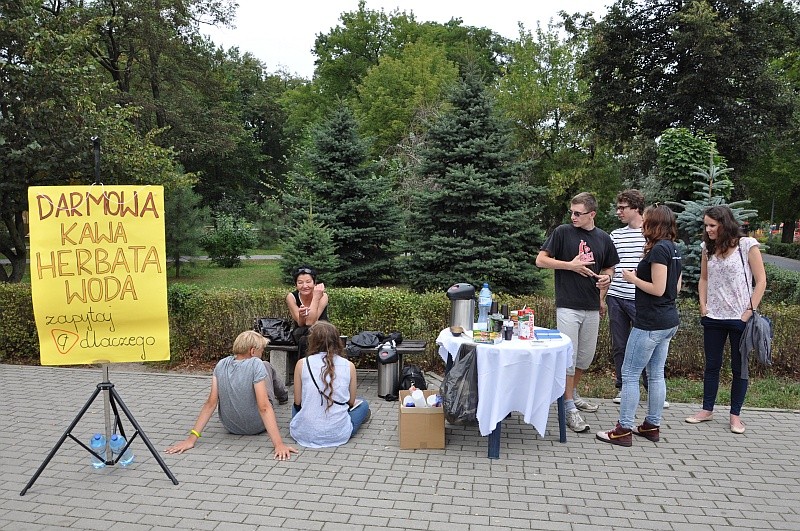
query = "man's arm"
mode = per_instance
[
  {"x": 545, "y": 261},
  {"x": 202, "y": 419},
  {"x": 282, "y": 451}
]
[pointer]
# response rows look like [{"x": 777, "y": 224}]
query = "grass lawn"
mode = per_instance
[
  {"x": 763, "y": 392},
  {"x": 251, "y": 274}
]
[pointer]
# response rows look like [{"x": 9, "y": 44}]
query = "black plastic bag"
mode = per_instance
[
  {"x": 460, "y": 388},
  {"x": 413, "y": 375},
  {"x": 278, "y": 331}
]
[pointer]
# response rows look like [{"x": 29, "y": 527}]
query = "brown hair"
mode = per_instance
[
  {"x": 324, "y": 337},
  {"x": 728, "y": 233},
  {"x": 586, "y": 199},
  {"x": 633, "y": 197},
  {"x": 659, "y": 224}
]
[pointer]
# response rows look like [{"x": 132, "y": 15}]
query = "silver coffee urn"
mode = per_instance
[{"x": 462, "y": 305}]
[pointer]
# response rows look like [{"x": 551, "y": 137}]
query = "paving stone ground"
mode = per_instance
[{"x": 697, "y": 477}]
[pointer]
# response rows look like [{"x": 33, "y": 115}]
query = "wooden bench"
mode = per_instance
[{"x": 278, "y": 354}]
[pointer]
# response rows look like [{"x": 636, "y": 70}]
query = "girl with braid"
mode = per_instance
[{"x": 325, "y": 410}]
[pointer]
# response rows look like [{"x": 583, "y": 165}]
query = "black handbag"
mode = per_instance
[{"x": 278, "y": 331}]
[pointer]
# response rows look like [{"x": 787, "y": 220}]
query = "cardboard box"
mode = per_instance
[{"x": 420, "y": 427}]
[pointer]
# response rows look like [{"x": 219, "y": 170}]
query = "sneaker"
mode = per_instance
[
  {"x": 576, "y": 422},
  {"x": 666, "y": 404},
  {"x": 617, "y": 399},
  {"x": 648, "y": 431},
  {"x": 583, "y": 405},
  {"x": 619, "y": 436}
]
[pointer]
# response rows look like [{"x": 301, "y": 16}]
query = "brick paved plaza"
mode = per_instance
[{"x": 697, "y": 477}]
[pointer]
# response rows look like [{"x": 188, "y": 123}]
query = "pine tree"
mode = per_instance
[
  {"x": 353, "y": 201},
  {"x": 184, "y": 223},
  {"x": 474, "y": 220},
  {"x": 309, "y": 243}
]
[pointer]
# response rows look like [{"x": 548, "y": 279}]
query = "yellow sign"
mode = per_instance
[{"x": 98, "y": 273}]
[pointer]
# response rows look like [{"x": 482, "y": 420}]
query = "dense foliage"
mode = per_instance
[
  {"x": 626, "y": 98},
  {"x": 472, "y": 220}
]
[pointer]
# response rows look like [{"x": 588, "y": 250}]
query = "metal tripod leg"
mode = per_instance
[
  {"x": 116, "y": 398},
  {"x": 67, "y": 433}
]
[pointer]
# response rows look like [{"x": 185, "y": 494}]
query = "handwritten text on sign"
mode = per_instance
[{"x": 98, "y": 273}]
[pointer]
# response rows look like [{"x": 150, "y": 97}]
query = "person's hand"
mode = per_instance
[
  {"x": 181, "y": 447},
  {"x": 581, "y": 267},
  {"x": 748, "y": 313},
  {"x": 319, "y": 289},
  {"x": 603, "y": 308},
  {"x": 283, "y": 452},
  {"x": 603, "y": 281},
  {"x": 629, "y": 275}
]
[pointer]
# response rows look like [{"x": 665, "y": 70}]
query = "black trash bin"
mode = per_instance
[{"x": 388, "y": 370}]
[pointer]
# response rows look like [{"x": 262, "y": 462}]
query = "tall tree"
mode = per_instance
[
  {"x": 394, "y": 93},
  {"x": 705, "y": 65},
  {"x": 354, "y": 202},
  {"x": 49, "y": 94},
  {"x": 541, "y": 95},
  {"x": 469, "y": 221}
]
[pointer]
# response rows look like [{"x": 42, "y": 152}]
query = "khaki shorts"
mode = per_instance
[{"x": 581, "y": 326}]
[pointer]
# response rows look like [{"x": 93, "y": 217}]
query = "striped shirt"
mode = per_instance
[{"x": 630, "y": 245}]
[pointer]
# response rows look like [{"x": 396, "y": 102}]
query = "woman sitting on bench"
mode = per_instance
[
  {"x": 308, "y": 303},
  {"x": 325, "y": 410}
]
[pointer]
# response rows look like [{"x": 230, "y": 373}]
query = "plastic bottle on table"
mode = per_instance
[
  {"x": 484, "y": 303},
  {"x": 117, "y": 444},
  {"x": 98, "y": 444}
]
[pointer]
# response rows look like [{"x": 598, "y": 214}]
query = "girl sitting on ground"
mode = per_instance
[{"x": 325, "y": 410}]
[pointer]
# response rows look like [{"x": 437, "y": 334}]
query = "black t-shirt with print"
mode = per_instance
[{"x": 567, "y": 241}]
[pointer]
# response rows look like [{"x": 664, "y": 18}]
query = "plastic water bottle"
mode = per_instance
[
  {"x": 117, "y": 444},
  {"x": 98, "y": 444},
  {"x": 484, "y": 303}
]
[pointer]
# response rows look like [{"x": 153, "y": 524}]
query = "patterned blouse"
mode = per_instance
[{"x": 728, "y": 290}]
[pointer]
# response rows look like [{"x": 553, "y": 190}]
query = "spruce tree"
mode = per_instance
[
  {"x": 184, "y": 223},
  {"x": 309, "y": 243},
  {"x": 474, "y": 220},
  {"x": 353, "y": 201}
]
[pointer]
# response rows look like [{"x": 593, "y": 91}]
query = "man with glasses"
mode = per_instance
[
  {"x": 583, "y": 257},
  {"x": 620, "y": 300}
]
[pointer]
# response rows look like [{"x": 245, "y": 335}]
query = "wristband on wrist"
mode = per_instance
[{"x": 195, "y": 433}]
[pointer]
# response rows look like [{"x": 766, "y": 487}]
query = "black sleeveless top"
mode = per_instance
[{"x": 322, "y": 317}]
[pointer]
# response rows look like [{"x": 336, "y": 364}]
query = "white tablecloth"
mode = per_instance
[{"x": 517, "y": 375}]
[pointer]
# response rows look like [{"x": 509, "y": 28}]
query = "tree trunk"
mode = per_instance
[
  {"x": 787, "y": 236},
  {"x": 16, "y": 252}
]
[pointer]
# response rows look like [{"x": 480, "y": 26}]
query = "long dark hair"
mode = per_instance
[
  {"x": 728, "y": 233},
  {"x": 324, "y": 337},
  {"x": 659, "y": 224}
]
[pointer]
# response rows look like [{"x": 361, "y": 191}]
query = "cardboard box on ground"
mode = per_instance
[{"x": 420, "y": 427}]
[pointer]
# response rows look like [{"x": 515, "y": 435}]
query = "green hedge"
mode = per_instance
[
  {"x": 203, "y": 323},
  {"x": 783, "y": 286},
  {"x": 787, "y": 250}
]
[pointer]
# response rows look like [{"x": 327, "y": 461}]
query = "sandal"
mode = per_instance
[{"x": 694, "y": 419}]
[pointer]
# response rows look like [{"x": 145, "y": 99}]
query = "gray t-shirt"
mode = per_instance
[{"x": 238, "y": 409}]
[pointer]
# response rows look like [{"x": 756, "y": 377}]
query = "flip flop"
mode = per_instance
[{"x": 694, "y": 419}]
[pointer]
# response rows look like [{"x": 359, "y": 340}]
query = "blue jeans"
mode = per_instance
[
  {"x": 646, "y": 349},
  {"x": 357, "y": 414},
  {"x": 621, "y": 313},
  {"x": 715, "y": 333}
]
